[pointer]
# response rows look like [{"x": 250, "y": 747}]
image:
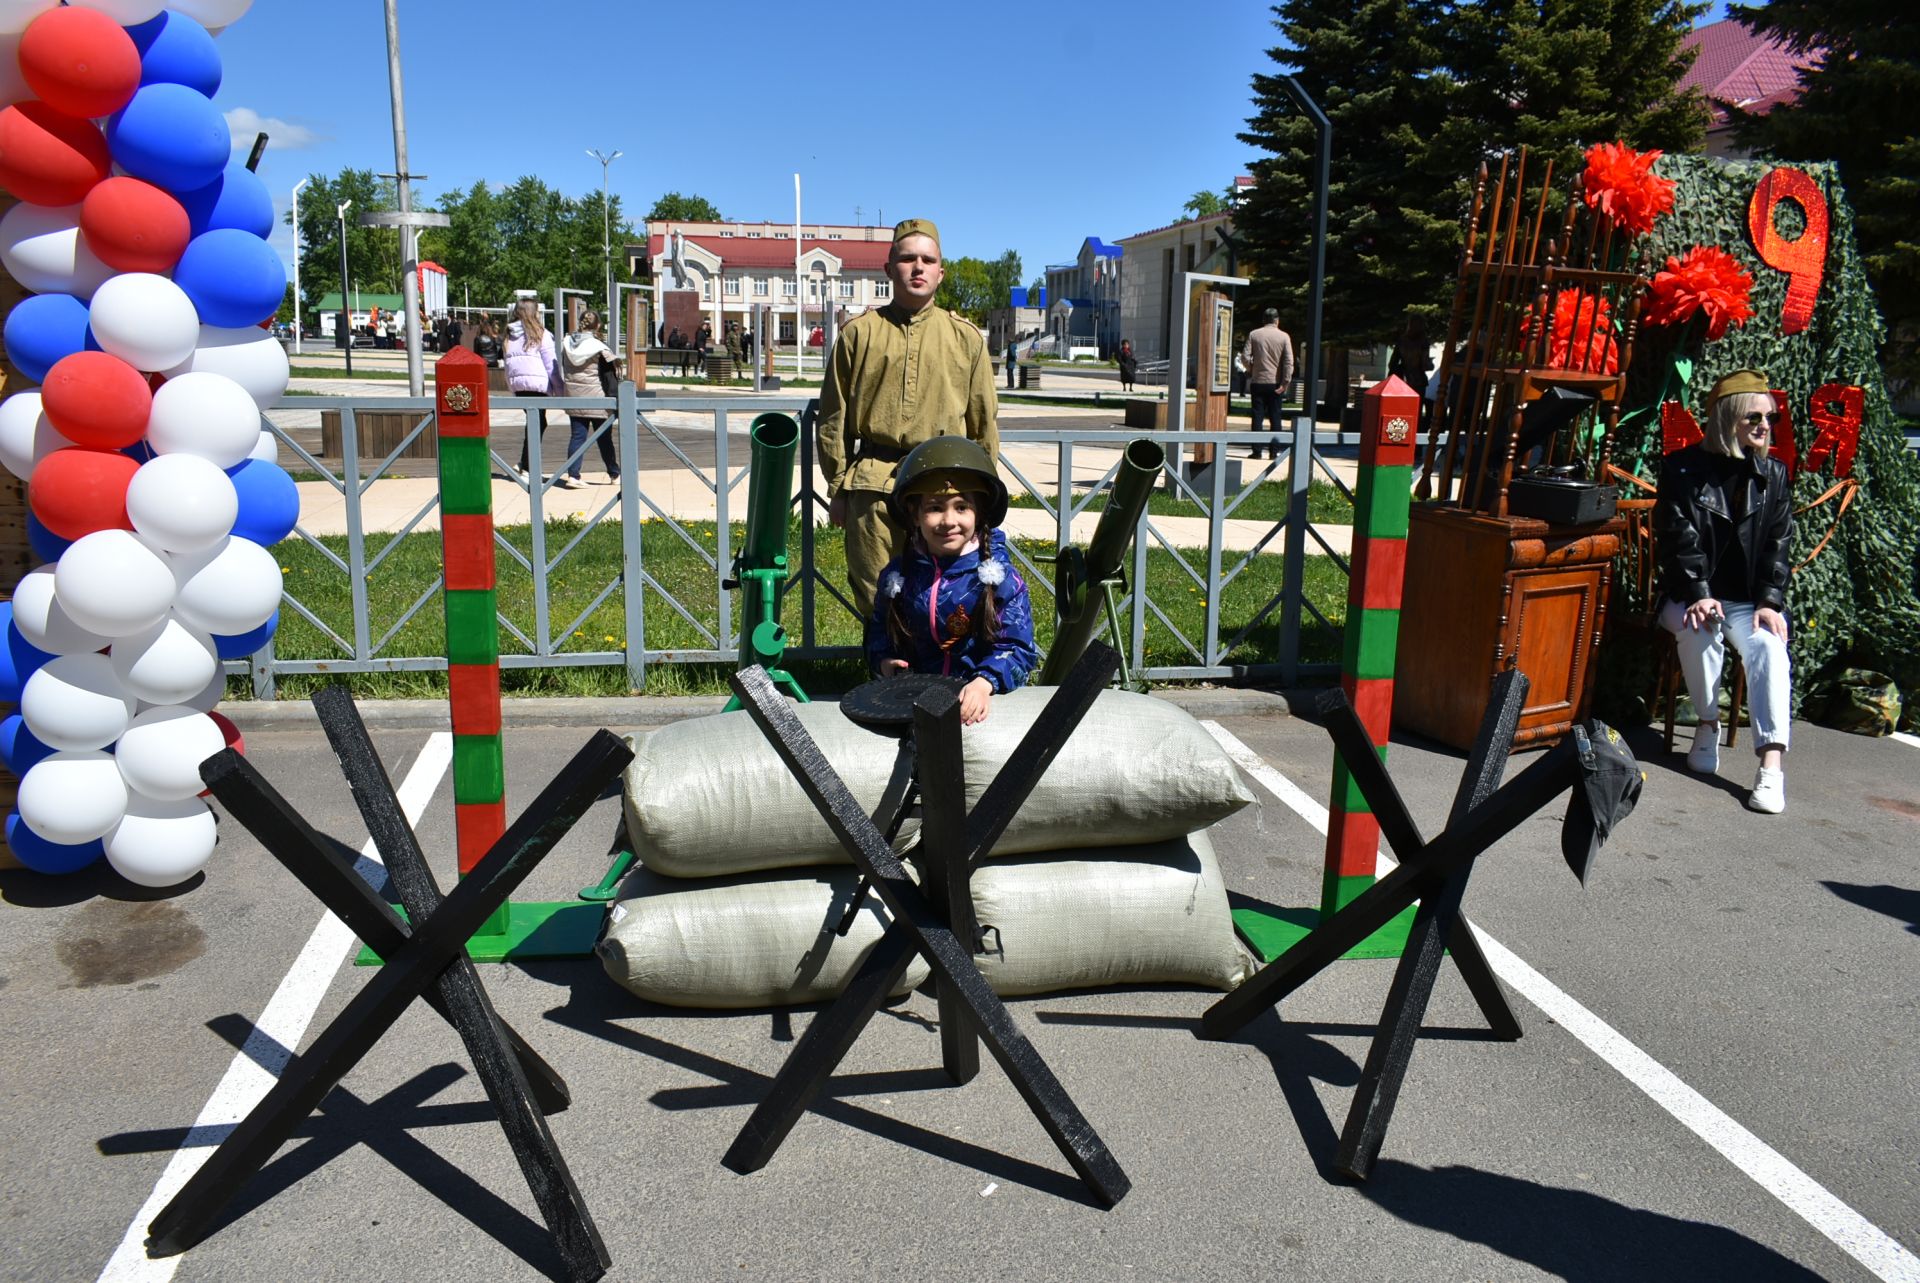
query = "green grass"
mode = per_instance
[
  {"x": 411, "y": 568},
  {"x": 1325, "y": 504},
  {"x": 365, "y": 372}
]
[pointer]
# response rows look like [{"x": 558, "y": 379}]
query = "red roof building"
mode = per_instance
[
  {"x": 1753, "y": 72},
  {"x": 736, "y": 267}
]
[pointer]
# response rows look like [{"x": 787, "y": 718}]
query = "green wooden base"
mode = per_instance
[
  {"x": 535, "y": 929},
  {"x": 1273, "y": 934}
]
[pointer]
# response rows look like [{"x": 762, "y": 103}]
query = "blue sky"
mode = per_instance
[{"x": 1024, "y": 126}]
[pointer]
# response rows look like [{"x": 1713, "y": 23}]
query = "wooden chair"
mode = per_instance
[{"x": 1636, "y": 608}]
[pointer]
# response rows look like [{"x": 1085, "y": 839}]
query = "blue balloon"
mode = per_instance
[
  {"x": 19, "y": 660},
  {"x": 43, "y": 856},
  {"x": 20, "y": 748},
  {"x": 234, "y": 278},
  {"x": 241, "y": 645},
  {"x": 46, "y": 545},
  {"x": 269, "y": 502},
  {"x": 176, "y": 50},
  {"x": 171, "y": 136},
  {"x": 43, "y": 328},
  {"x": 235, "y": 199}
]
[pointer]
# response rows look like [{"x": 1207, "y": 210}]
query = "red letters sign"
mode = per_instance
[{"x": 1803, "y": 260}]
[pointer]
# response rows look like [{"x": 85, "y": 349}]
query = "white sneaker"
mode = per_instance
[
  {"x": 1769, "y": 791},
  {"x": 1704, "y": 756},
  {"x": 567, "y": 481}
]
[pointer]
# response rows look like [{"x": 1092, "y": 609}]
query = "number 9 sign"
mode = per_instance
[{"x": 1803, "y": 260}]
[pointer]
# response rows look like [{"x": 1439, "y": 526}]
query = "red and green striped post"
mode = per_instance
[
  {"x": 1383, "y": 491},
  {"x": 471, "y": 598},
  {"x": 1389, "y": 422},
  {"x": 518, "y": 929}
]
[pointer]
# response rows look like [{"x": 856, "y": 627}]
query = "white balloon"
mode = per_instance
[
  {"x": 16, "y": 14},
  {"x": 42, "y": 249},
  {"x": 160, "y": 753},
  {"x": 232, "y": 587},
  {"x": 250, "y": 357},
  {"x": 165, "y": 664},
  {"x": 13, "y": 85},
  {"x": 44, "y": 621},
  {"x": 113, "y": 582},
  {"x": 205, "y": 414},
  {"x": 73, "y": 797},
  {"x": 267, "y": 448},
  {"x": 161, "y": 843},
  {"x": 26, "y": 434},
  {"x": 75, "y": 702},
  {"x": 212, "y": 14},
  {"x": 145, "y": 320},
  {"x": 128, "y": 13},
  {"x": 182, "y": 502},
  {"x": 210, "y": 695}
]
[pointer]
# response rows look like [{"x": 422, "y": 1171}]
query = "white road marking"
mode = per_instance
[
  {"x": 1911, "y": 741},
  {"x": 279, "y": 1028},
  {"x": 1853, "y": 1233}
]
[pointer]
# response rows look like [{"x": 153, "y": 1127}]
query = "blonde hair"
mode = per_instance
[
  {"x": 527, "y": 312},
  {"x": 1723, "y": 424}
]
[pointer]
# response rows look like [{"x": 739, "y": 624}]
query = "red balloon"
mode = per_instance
[
  {"x": 235, "y": 741},
  {"x": 79, "y": 61},
  {"x": 96, "y": 400},
  {"x": 76, "y": 491},
  {"x": 133, "y": 226},
  {"x": 47, "y": 158}
]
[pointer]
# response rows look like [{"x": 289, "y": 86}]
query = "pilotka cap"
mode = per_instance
[
  {"x": 915, "y": 227},
  {"x": 1729, "y": 384}
]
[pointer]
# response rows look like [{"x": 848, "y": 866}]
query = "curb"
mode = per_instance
[{"x": 649, "y": 710}]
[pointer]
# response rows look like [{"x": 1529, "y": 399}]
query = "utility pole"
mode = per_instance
[
  {"x": 409, "y": 251},
  {"x": 296, "y": 263},
  {"x": 606, "y": 227},
  {"x": 346, "y": 310}
]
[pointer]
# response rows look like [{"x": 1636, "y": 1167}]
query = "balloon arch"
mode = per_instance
[{"x": 153, "y": 494}]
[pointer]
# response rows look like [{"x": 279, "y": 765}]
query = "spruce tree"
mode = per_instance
[
  {"x": 1393, "y": 220},
  {"x": 1859, "y": 107}
]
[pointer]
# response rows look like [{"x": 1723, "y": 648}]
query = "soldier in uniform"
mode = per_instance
[{"x": 899, "y": 375}]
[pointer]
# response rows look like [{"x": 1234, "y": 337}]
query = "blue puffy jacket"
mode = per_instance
[{"x": 940, "y": 601}]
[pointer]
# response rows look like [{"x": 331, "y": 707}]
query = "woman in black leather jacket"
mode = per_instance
[{"x": 1723, "y": 523}]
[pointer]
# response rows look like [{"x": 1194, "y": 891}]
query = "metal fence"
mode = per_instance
[{"x": 704, "y": 438}]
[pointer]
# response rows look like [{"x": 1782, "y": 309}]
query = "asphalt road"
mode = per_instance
[{"x": 1768, "y": 963}]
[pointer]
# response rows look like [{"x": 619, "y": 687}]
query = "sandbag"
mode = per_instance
[
  {"x": 1118, "y": 916},
  {"x": 709, "y": 796},
  {"x": 741, "y": 942}
]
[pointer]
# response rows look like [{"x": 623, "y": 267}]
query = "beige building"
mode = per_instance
[
  {"x": 1154, "y": 261},
  {"x": 736, "y": 267}
]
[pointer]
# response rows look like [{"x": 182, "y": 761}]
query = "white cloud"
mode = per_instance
[{"x": 282, "y": 135}]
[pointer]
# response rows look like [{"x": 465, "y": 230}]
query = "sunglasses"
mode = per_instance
[{"x": 1755, "y": 419}]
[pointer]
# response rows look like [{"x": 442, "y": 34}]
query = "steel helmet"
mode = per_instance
[{"x": 959, "y": 463}]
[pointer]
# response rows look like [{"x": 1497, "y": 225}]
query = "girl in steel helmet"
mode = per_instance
[{"x": 953, "y": 603}]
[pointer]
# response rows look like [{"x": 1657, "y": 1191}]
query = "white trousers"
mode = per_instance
[{"x": 1703, "y": 655}]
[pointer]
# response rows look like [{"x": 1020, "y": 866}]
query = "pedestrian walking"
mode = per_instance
[
  {"x": 531, "y": 371},
  {"x": 1269, "y": 359},
  {"x": 588, "y": 367},
  {"x": 1012, "y": 360},
  {"x": 1129, "y": 365}
]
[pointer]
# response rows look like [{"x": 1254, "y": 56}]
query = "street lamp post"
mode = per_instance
[
  {"x": 296, "y": 261},
  {"x": 346, "y": 315},
  {"x": 606, "y": 220}
]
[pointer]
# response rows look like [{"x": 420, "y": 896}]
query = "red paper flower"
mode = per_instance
[
  {"x": 1620, "y": 183},
  {"x": 1583, "y": 337},
  {"x": 1704, "y": 280}
]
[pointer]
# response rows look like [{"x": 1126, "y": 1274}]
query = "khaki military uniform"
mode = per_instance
[{"x": 894, "y": 381}]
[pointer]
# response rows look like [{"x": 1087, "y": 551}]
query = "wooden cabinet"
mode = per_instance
[{"x": 1483, "y": 593}]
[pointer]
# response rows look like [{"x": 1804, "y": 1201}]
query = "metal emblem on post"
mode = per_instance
[{"x": 457, "y": 398}]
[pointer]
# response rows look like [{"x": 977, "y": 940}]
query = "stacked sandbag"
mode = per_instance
[{"x": 1104, "y": 877}]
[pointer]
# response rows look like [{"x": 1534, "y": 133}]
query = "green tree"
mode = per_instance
[
  {"x": 1867, "y": 63},
  {"x": 371, "y": 259},
  {"x": 1003, "y": 277},
  {"x": 967, "y": 288},
  {"x": 1393, "y": 218},
  {"x": 524, "y": 236},
  {"x": 1204, "y": 205},
  {"x": 1557, "y": 76},
  {"x": 675, "y": 208}
]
